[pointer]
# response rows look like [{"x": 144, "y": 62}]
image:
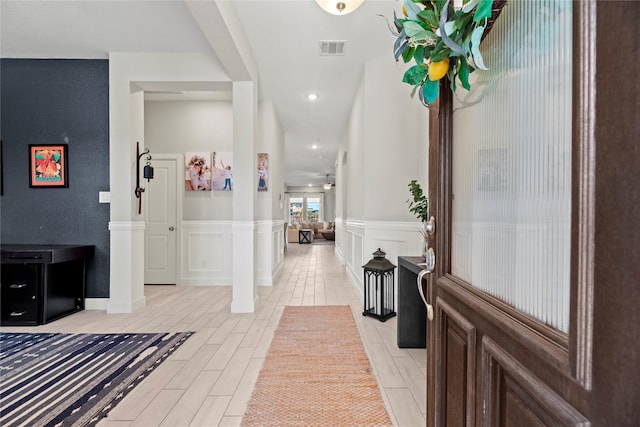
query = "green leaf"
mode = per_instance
[
  {"x": 408, "y": 54},
  {"x": 449, "y": 41},
  {"x": 438, "y": 47},
  {"x": 413, "y": 91},
  {"x": 483, "y": 10},
  {"x": 463, "y": 22},
  {"x": 449, "y": 28},
  {"x": 415, "y": 74},
  {"x": 476, "y": 37},
  {"x": 429, "y": 17},
  {"x": 412, "y": 9},
  {"x": 419, "y": 54},
  {"x": 439, "y": 5},
  {"x": 452, "y": 78},
  {"x": 463, "y": 74},
  {"x": 444, "y": 53},
  {"x": 401, "y": 50},
  {"x": 468, "y": 6},
  {"x": 412, "y": 28},
  {"x": 430, "y": 90}
]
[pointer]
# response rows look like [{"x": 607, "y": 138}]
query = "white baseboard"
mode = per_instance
[{"x": 96, "y": 303}]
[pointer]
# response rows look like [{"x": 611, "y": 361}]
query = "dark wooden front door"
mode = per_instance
[{"x": 490, "y": 363}]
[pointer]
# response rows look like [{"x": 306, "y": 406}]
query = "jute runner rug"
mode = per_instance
[{"x": 316, "y": 373}]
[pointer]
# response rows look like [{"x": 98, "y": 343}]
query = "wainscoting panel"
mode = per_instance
[
  {"x": 357, "y": 240},
  {"x": 206, "y": 253},
  {"x": 355, "y": 259},
  {"x": 340, "y": 248},
  {"x": 395, "y": 239},
  {"x": 277, "y": 238},
  {"x": 270, "y": 251}
]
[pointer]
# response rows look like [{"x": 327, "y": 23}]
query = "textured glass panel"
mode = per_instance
[{"x": 512, "y": 163}]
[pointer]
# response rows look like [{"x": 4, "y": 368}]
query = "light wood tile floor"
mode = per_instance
[{"x": 208, "y": 381}]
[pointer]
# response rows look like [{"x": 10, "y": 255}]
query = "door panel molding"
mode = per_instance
[
  {"x": 454, "y": 329},
  {"x": 514, "y": 396},
  {"x": 583, "y": 198},
  {"x": 548, "y": 343}
]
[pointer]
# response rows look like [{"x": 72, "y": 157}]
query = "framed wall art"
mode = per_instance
[
  {"x": 48, "y": 166},
  {"x": 197, "y": 170},
  {"x": 263, "y": 171},
  {"x": 222, "y": 170}
]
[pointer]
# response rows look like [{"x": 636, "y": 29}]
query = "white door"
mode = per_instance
[{"x": 160, "y": 231}]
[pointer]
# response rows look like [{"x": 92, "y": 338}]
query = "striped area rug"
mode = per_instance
[
  {"x": 316, "y": 374},
  {"x": 74, "y": 379}
]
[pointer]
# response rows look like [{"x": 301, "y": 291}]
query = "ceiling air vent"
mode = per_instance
[{"x": 332, "y": 47}]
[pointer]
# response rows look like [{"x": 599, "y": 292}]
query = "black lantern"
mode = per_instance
[
  {"x": 379, "y": 299},
  {"x": 147, "y": 171},
  {"x": 147, "y": 174}
]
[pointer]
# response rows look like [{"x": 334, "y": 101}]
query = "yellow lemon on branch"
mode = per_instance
[{"x": 438, "y": 70}]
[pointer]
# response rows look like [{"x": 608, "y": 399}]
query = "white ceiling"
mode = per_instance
[{"x": 283, "y": 37}]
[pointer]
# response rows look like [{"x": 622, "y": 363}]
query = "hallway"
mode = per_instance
[{"x": 209, "y": 380}]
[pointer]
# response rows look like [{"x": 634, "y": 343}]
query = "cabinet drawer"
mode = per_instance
[
  {"x": 20, "y": 289},
  {"x": 19, "y": 312},
  {"x": 22, "y": 257},
  {"x": 20, "y": 282}
]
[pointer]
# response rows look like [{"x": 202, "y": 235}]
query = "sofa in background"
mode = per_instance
[{"x": 317, "y": 227}]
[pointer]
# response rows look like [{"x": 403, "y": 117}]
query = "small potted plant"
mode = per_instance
[{"x": 419, "y": 206}]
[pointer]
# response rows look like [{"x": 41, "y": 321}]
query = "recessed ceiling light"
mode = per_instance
[
  {"x": 314, "y": 146},
  {"x": 312, "y": 96},
  {"x": 310, "y": 185}
]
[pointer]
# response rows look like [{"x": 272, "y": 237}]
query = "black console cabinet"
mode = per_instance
[
  {"x": 412, "y": 314},
  {"x": 42, "y": 283}
]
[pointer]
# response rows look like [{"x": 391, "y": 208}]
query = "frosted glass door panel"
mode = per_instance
[{"x": 512, "y": 163}]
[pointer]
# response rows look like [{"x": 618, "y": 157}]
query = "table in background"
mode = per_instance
[
  {"x": 328, "y": 235},
  {"x": 305, "y": 235},
  {"x": 412, "y": 314},
  {"x": 42, "y": 283}
]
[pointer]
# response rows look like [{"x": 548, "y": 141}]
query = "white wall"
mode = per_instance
[
  {"x": 353, "y": 169},
  {"x": 395, "y": 135},
  {"x": 206, "y": 229},
  {"x": 181, "y": 126},
  {"x": 386, "y": 146},
  {"x": 269, "y": 209},
  {"x": 271, "y": 140},
  {"x": 126, "y": 72}
]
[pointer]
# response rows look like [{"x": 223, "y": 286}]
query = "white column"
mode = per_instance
[
  {"x": 128, "y": 238},
  {"x": 126, "y": 127},
  {"x": 245, "y": 110}
]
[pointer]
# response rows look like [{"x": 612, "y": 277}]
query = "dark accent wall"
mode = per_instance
[{"x": 54, "y": 101}]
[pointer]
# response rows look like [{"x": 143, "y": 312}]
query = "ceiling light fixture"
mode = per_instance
[
  {"x": 327, "y": 185},
  {"x": 339, "y": 7},
  {"x": 314, "y": 146},
  {"x": 312, "y": 97}
]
